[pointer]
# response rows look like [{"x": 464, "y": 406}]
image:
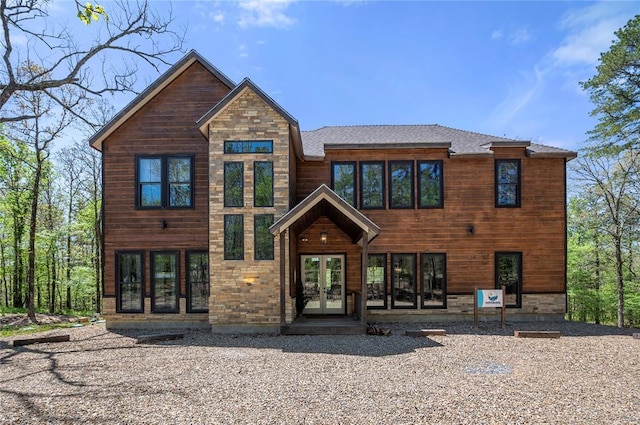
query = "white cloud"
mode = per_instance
[
  {"x": 590, "y": 31},
  {"x": 519, "y": 96},
  {"x": 519, "y": 36},
  {"x": 496, "y": 34},
  {"x": 265, "y": 13},
  {"x": 243, "y": 51},
  {"x": 217, "y": 17}
]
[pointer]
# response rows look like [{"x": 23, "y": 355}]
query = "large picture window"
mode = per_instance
[
  {"x": 403, "y": 282},
  {"x": 197, "y": 282},
  {"x": 377, "y": 281},
  {"x": 263, "y": 239},
  {"x": 164, "y": 182},
  {"x": 434, "y": 280},
  {"x": 372, "y": 185},
  {"x": 343, "y": 180},
  {"x": 430, "y": 188},
  {"x": 129, "y": 282},
  {"x": 164, "y": 282},
  {"x": 263, "y": 184},
  {"x": 509, "y": 273},
  {"x": 234, "y": 237},
  {"x": 401, "y": 184},
  {"x": 507, "y": 184},
  {"x": 233, "y": 184}
]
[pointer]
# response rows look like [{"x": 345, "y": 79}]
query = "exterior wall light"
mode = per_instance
[{"x": 323, "y": 238}]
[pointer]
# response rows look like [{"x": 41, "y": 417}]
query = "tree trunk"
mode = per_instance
[
  {"x": 31, "y": 273},
  {"x": 598, "y": 277}
]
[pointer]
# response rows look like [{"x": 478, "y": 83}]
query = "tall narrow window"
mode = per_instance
[
  {"x": 430, "y": 186},
  {"x": 164, "y": 282},
  {"x": 377, "y": 281},
  {"x": 263, "y": 240},
  {"x": 401, "y": 184},
  {"x": 129, "y": 282},
  {"x": 343, "y": 180},
  {"x": 233, "y": 184},
  {"x": 263, "y": 184},
  {"x": 507, "y": 185},
  {"x": 403, "y": 282},
  {"x": 164, "y": 181},
  {"x": 434, "y": 280},
  {"x": 233, "y": 237},
  {"x": 372, "y": 185},
  {"x": 150, "y": 182},
  {"x": 197, "y": 282},
  {"x": 509, "y": 273}
]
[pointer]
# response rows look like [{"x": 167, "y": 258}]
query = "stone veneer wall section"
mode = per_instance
[{"x": 245, "y": 295}]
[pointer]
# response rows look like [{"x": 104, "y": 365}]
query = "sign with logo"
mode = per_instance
[{"x": 489, "y": 298}]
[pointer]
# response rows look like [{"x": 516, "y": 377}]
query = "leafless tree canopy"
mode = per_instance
[{"x": 133, "y": 33}]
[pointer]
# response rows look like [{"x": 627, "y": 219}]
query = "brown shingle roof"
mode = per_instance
[{"x": 459, "y": 142}]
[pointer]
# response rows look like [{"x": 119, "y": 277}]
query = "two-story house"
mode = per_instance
[{"x": 219, "y": 211}]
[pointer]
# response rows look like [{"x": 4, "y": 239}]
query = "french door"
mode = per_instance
[{"x": 323, "y": 284}]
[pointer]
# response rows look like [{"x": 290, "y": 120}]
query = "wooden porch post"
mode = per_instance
[
  {"x": 363, "y": 290},
  {"x": 283, "y": 268}
]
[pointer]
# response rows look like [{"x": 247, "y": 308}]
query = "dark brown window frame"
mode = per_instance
[
  {"x": 497, "y": 285},
  {"x": 412, "y": 180},
  {"x": 119, "y": 282},
  {"x": 497, "y": 184},
  {"x": 355, "y": 180},
  {"x": 176, "y": 307},
  {"x": 250, "y": 144},
  {"x": 226, "y": 201},
  {"x": 242, "y": 250},
  {"x": 255, "y": 182},
  {"x": 164, "y": 182},
  {"x": 384, "y": 283},
  {"x": 383, "y": 191},
  {"x": 255, "y": 239},
  {"x": 188, "y": 282},
  {"x": 441, "y": 180},
  {"x": 415, "y": 282},
  {"x": 444, "y": 278}
]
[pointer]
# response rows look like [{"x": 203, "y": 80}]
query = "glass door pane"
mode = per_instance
[
  {"x": 311, "y": 284},
  {"x": 334, "y": 285}
]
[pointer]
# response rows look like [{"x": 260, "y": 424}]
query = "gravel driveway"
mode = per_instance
[{"x": 589, "y": 376}]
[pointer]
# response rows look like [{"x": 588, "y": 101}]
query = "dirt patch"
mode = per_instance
[{"x": 17, "y": 320}]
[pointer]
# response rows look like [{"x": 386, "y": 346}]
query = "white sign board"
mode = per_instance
[{"x": 489, "y": 298}]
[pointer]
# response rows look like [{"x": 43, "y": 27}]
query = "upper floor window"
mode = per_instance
[
  {"x": 343, "y": 180},
  {"x": 507, "y": 184},
  {"x": 248, "y": 146},
  {"x": 430, "y": 193},
  {"x": 372, "y": 185},
  {"x": 401, "y": 184},
  {"x": 509, "y": 274},
  {"x": 164, "y": 182},
  {"x": 233, "y": 184},
  {"x": 262, "y": 184}
]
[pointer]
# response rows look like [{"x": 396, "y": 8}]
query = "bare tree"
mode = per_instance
[{"x": 106, "y": 64}]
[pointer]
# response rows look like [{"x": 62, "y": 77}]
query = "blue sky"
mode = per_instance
[{"x": 502, "y": 68}]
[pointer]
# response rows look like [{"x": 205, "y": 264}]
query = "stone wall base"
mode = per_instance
[{"x": 245, "y": 329}]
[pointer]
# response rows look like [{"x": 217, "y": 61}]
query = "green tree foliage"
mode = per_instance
[{"x": 615, "y": 90}]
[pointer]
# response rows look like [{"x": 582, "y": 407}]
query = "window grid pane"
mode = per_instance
[
  {"x": 434, "y": 292},
  {"x": 509, "y": 274},
  {"x": 233, "y": 237},
  {"x": 376, "y": 281},
  {"x": 343, "y": 181},
  {"x": 233, "y": 184},
  {"x": 263, "y": 184},
  {"x": 403, "y": 282},
  {"x": 507, "y": 183},
  {"x": 165, "y": 283},
  {"x": 401, "y": 184},
  {"x": 198, "y": 276},
  {"x": 130, "y": 283},
  {"x": 430, "y": 184},
  {"x": 248, "y": 146},
  {"x": 263, "y": 249},
  {"x": 372, "y": 185}
]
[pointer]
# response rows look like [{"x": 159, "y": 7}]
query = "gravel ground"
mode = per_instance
[{"x": 589, "y": 376}]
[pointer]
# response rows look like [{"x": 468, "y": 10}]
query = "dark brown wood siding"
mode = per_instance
[
  {"x": 165, "y": 125},
  {"x": 537, "y": 229}
]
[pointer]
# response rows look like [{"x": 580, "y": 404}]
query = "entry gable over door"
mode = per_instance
[{"x": 325, "y": 202}]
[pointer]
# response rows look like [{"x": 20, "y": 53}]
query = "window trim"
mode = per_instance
[
  {"x": 255, "y": 182},
  {"x": 361, "y": 164},
  {"x": 415, "y": 283},
  {"x": 444, "y": 278},
  {"x": 355, "y": 179},
  {"x": 224, "y": 230},
  {"x": 225, "y": 202},
  {"x": 118, "y": 282},
  {"x": 247, "y": 143},
  {"x": 441, "y": 188},
  {"x": 188, "y": 255},
  {"x": 518, "y": 303},
  {"x": 255, "y": 238},
  {"x": 176, "y": 308},
  {"x": 412, "y": 181},
  {"x": 497, "y": 163},
  {"x": 164, "y": 182},
  {"x": 384, "y": 284}
]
